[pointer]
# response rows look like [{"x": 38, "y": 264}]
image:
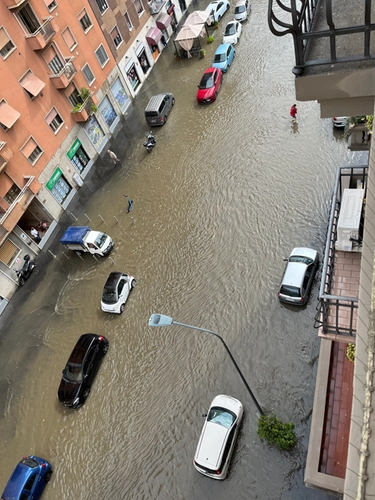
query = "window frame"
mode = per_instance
[
  {"x": 80, "y": 17},
  {"x": 101, "y": 46},
  {"x": 55, "y": 5},
  {"x": 31, "y": 138},
  {"x": 54, "y": 130},
  {"x": 9, "y": 41},
  {"x": 118, "y": 35},
  {"x": 94, "y": 78},
  {"x": 128, "y": 21},
  {"x": 100, "y": 10},
  {"x": 139, "y": 13},
  {"x": 72, "y": 35}
]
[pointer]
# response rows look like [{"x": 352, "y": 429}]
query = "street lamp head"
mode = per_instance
[{"x": 160, "y": 320}]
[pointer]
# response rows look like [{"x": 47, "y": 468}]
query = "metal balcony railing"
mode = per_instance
[
  {"x": 317, "y": 39},
  {"x": 46, "y": 30},
  {"x": 332, "y": 307},
  {"x": 6, "y": 214}
]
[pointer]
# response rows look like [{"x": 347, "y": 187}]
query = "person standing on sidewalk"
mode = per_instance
[
  {"x": 113, "y": 157},
  {"x": 130, "y": 202},
  {"x": 293, "y": 112}
]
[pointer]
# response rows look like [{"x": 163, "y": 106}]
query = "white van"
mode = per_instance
[{"x": 242, "y": 10}]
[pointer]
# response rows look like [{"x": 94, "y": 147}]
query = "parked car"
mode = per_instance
[
  {"x": 158, "y": 109},
  {"x": 339, "y": 121},
  {"x": 232, "y": 32},
  {"x": 28, "y": 479},
  {"x": 241, "y": 10},
  {"x": 116, "y": 292},
  {"x": 81, "y": 369},
  {"x": 218, "y": 437},
  {"x": 223, "y": 57},
  {"x": 209, "y": 85},
  {"x": 217, "y": 9},
  {"x": 299, "y": 275}
]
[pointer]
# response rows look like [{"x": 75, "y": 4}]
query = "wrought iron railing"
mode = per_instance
[
  {"x": 331, "y": 308},
  {"x": 304, "y": 18}
]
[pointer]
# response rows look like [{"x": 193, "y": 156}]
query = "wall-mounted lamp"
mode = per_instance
[
  {"x": 137, "y": 41},
  {"x": 126, "y": 57}
]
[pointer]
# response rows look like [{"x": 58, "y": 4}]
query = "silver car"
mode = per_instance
[
  {"x": 299, "y": 275},
  {"x": 241, "y": 10},
  {"x": 218, "y": 437}
]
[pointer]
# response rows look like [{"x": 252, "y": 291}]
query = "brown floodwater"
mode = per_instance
[{"x": 227, "y": 192}]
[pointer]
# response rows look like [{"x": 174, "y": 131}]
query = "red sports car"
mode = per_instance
[{"x": 209, "y": 85}]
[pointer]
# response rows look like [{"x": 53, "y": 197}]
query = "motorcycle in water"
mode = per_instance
[
  {"x": 150, "y": 142},
  {"x": 24, "y": 273}
]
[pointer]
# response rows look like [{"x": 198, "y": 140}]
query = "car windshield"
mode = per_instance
[
  {"x": 291, "y": 291},
  {"x": 300, "y": 259},
  {"x": 230, "y": 30},
  {"x": 207, "y": 81},
  {"x": 109, "y": 296},
  {"x": 30, "y": 462},
  {"x": 73, "y": 373},
  {"x": 219, "y": 58},
  {"x": 100, "y": 239},
  {"x": 222, "y": 417},
  {"x": 240, "y": 9}
]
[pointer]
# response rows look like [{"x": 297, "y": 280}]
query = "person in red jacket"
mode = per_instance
[{"x": 293, "y": 111}]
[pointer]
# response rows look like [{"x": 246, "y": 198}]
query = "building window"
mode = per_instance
[
  {"x": 139, "y": 7},
  {"x": 54, "y": 120},
  {"x": 8, "y": 115},
  {"x": 69, "y": 38},
  {"x": 102, "y": 5},
  {"x": 12, "y": 194},
  {"x": 128, "y": 21},
  {"x": 88, "y": 74},
  {"x": 8, "y": 252},
  {"x": 6, "y": 44},
  {"x": 116, "y": 37},
  {"x": 102, "y": 55},
  {"x": 84, "y": 20},
  {"x": 54, "y": 61},
  {"x": 32, "y": 151},
  {"x": 73, "y": 95},
  {"x": 28, "y": 19},
  {"x": 51, "y": 4}
]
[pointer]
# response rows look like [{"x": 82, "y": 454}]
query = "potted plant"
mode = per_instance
[
  {"x": 177, "y": 55},
  {"x": 210, "y": 39},
  {"x": 202, "y": 53},
  {"x": 215, "y": 25}
]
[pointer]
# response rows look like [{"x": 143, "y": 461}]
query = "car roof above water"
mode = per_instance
[{"x": 155, "y": 101}]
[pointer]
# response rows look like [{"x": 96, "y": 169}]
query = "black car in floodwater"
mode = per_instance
[{"x": 81, "y": 369}]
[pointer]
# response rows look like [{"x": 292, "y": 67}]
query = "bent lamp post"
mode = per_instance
[{"x": 162, "y": 320}]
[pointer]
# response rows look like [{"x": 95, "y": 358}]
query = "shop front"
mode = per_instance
[
  {"x": 78, "y": 157},
  {"x": 142, "y": 58},
  {"x": 119, "y": 94},
  {"x": 163, "y": 22},
  {"x": 60, "y": 188},
  {"x": 153, "y": 37},
  {"x": 108, "y": 113},
  {"x": 95, "y": 133},
  {"x": 132, "y": 75}
]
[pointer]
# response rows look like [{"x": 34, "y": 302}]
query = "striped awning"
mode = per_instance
[
  {"x": 163, "y": 21},
  {"x": 153, "y": 36}
]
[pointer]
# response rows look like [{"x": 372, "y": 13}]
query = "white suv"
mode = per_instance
[
  {"x": 241, "y": 11},
  {"x": 218, "y": 437}
]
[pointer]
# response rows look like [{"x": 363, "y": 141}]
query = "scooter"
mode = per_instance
[
  {"x": 24, "y": 273},
  {"x": 150, "y": 142}
]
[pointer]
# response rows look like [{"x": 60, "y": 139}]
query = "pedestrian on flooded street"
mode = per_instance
[
  {"x": 130, "y": 202},
  {"x": 113, "y": 157},
  {"x": 293, "y": 112}
]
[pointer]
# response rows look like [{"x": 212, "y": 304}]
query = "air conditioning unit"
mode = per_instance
[{"x": 349, "y": 220}]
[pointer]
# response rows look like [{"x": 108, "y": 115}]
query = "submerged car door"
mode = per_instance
[
  {"x": 90, "y": 367},
  {"x": 123, "y": 289}
]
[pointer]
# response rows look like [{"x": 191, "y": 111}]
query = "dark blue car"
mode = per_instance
[{"x": 28, "y": 480}]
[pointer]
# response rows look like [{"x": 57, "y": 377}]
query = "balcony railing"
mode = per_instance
[
  {"x": 10, "y": 218},
  {"x": 62, "y": 79},
  {"x": 81, "y": 112},
  {"x": 332, "y": 308},
  {"x": 155, "y": 6},
  {"x": 309, "y": 24},
  {"x": 43, "y": 35}
]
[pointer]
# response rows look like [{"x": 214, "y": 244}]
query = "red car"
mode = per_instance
[{"x": 209, "y": 85}]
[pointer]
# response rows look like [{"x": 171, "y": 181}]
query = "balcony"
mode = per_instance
[
  {"x": 13, "y": 4},
  {"x": 5, "y": 155},
  {"x": 43, "y": 35},
  {"x": 81, "y": 112},
  {"x": 9, "y": 218},
  {"x": 337, "y": 310},
  {"x": 62, "y": 79},
  {"x": 155, "y": 6}
]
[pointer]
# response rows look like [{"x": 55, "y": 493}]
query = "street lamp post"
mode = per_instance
[{"x": 162, "y": 320}]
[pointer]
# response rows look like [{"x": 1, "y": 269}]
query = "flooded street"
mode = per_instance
[{"x": 227, "y": 192}]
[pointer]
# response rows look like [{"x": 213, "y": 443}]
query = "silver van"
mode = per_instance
[
  {"x": 158, "y": 109},
  {"x": 242, "y": 10}
]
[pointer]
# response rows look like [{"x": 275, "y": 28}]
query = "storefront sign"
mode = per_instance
[
  {"x": 72, "y": 151},
  {"x": 55, "y": 177}
]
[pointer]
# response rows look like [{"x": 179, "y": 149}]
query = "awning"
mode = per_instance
[
  {"x": 163, "y": 21},
  {"x": 153, "y": 36},
  {"x": 8, "y": 115},
  {"x": 32, "y": 84},
  {"x": 170, "y": 9}
]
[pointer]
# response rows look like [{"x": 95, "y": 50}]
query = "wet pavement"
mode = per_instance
[{"x": 228, "y": 190}]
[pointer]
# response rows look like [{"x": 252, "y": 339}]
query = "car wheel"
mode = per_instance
[
  {"x": 32, "y": 267},
  {"x": 105, "y": 348},
  {"x": 47, "y": 477},
  {"x": 122, "y": 307},
  {"x": 165, "y": 119},
  {"x": 173, "y": 101},
  {"x": 21, "y": 281},
  {"x": 133, "y": 283},
  {"x": 86, "y": 393},
  {"x": 215, "y": 96},
  {"x": 219, "y": 18}
]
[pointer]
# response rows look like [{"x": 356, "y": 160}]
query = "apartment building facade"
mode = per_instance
[{"x": 61, "y": 96}]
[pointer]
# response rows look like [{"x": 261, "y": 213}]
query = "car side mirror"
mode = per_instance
[{"x": 204, "y": 415}]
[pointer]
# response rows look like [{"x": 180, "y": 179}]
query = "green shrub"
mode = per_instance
[
  {"x": 350, "y": 352},
  {"x": 353, "y": 120},
  {"x": 210, "y": 39},
  {"x": 277, "y": 432}
]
